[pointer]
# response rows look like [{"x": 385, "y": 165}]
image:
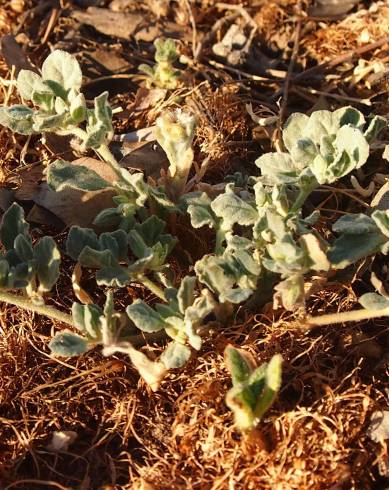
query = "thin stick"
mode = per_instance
[
  {"x": 313, "y": 91},
  {"x": 340, "y": 59},
  {"x": 288, "y": 79},
  {"x": 195, "y": 45},
  {"x": 249, "y": 76},
  {"x": 346, "y": 316}
]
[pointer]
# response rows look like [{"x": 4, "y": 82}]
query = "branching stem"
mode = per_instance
[
  {"x": 220, "y": 237},
  {"x": 27, "y": 304},
  {"x": 151, "y": 286},
  {"x": 301, "y": 198}
]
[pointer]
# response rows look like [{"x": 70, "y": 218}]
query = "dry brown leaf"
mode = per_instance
[
  {"x": 147, "y": 157},
  {"x": 110, "y": 60},
  {"x": 14, "y": 55},
  {"x": 331, "y": 8},
  {"x": 80, "y": 293},
  {"x": 115, "y": 24}
]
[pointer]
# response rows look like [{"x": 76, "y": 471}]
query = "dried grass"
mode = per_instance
[
  {"x": 183, "y": 437},
  {"x": 362, "y": 27},
  {"x": 313, "y": 438}
]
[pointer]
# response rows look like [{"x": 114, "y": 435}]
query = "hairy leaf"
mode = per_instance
[
  {"x": 63, "y": 68},
  {"x": 67, "y": 344},
  {"x": 62, "y": 175},
  {"x": 144, "y": 317},
  {"x": 78, "y": 239},
  {"x": 48, "y": 260},
  {"x": 12, "y": 225},
  {"x": 373, "y": 301},
  {"x": 175, "y": 355}
]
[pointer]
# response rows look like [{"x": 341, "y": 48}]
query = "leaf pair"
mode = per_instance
[
  {"x": 97, "y": 326},
  {"x": 254, "y": 388},
  {"x": 56, "y": 94},
  {"x": 109, "y": 252},
  {"x": 24, "y": 265}
]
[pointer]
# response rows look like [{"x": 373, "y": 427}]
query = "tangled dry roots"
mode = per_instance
[{"x": 183, "y": 437}]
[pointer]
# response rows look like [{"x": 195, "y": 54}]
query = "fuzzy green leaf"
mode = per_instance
[
  {"x": 271, "y": 388},
  {"x": 62, "y": 175},
  {"x": 381, "y": 218},
  {"x": 67, "y": 344},
  {"x": 200, "y": 210},
  {"x": 293, "y": 129},
  {"x": 96, "y": 259},
  {"x": 175, "y": 355},
  {"x": 240, "y": 364},
  {"x": 347, "y": 249},
  {"x": 87, "y": 319},
  {"x": 232, "y": 209},
  {"x": 29, "y": 83},
  {"x": 63, "y": 68},
  {"x": 23, "y": 247},
  {"x": 354, "y": 224},
  {"x": 78, "y": 238},
  {"x": 48, "y": 260},
  {"x": 278, "y": 168},
  {"x": 374, "y": 301},
  {"x": 18, "y": 118},
  {"x": 12, "y": 225},
  {"x": 375, "y": 127},
  {"x": 78, "y": 109},
  {"x": 144, "y": 317},
  {"x": 113, "y": 276},
  {"x": 185, "y": 294}
]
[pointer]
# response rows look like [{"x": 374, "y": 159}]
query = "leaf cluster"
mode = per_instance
[{"x": 163, "y": 74}]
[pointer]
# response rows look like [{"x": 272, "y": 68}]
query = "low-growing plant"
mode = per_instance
[
  {"x": 163, "y": 74},
  {"x": 30, "y": 267},
  {"x": 254, "y": 388},
  {"x": 262, "y": 239}
]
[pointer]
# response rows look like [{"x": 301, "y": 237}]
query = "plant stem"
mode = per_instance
[
  {"x": 301, "y": 198},
  {"x": 102, "y": 151},
  {"x": 346, "y": 316},
  {"x": 105, "y": 153},
  {"x": 149, "y": 284},
  {"x": 220, "y": 237},
  {"x": 27, "y": 304}
]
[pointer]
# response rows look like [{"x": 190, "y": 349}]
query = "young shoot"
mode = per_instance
[
  {"x": 253, "y": 388},
  {"x": 174, "y": 132},
  {"x": 163, "y": 74}
]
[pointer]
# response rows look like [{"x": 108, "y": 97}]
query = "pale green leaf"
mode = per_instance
[
  {"x": 62, "y": 175},
  {"x": 63, "y": 68}
]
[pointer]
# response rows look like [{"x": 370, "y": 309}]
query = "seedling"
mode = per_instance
[
  {"x": 254, "y": 388},
  {"x": 174, "y": 132},
  {"x": 163, "y": 74}
]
